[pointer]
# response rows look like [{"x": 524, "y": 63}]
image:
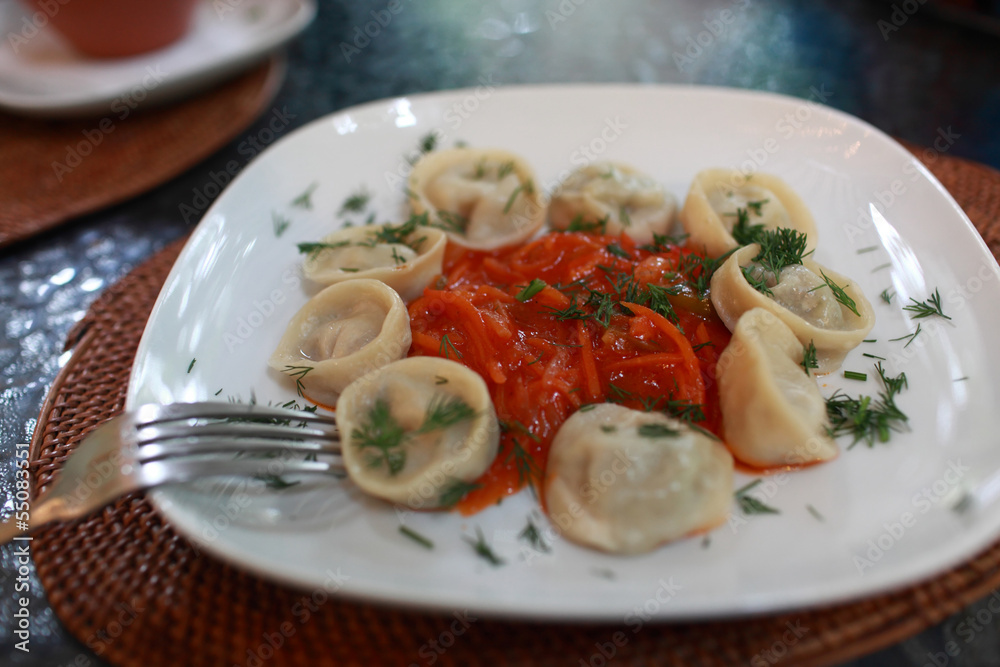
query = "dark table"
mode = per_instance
[{"x": 900, "y": 67}]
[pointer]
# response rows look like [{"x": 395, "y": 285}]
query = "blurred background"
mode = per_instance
[{"x": 918, "y": 70}]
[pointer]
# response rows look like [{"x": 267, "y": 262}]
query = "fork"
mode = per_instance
[{"x": 181, "y": 442}]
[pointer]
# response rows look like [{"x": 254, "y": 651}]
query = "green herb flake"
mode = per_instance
[
  {"x": 304, "y": 200},
  {"x": 482, "y": 549},
  {"x": 533, "y": 536},
  {"x": 750, "y": 505},
  {"x": 447, "y": 348},
  {"x": 280, "y": 223},
  {"x": 444, "y": 412},
  {"x": 191, "y": 365},
  {"x": 657, "y": 431},
  {"x": 886, "y": 295},
  {"x": 854, "y": 375},
  {"x": 809, "y": 359},
  {"x": 455, "y": 491},
  {"x": 382, "y": 433},
  {"x": 416, "y": 537},
  {"x": 298, "y": 372},
  {"x": 815, "y": 513},
  {"x": 927, "y": 308},
  {"x": 531, "y": 289}
]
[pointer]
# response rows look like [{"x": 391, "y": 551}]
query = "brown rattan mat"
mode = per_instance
[
  {"x": 125, "y": 584},
  {"x": 54, "y": 170}
]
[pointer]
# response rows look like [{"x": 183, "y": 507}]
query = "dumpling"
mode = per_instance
[
  {"x": 405, "y": 257},
  {"x": 630, "y": 201},
  {"x": 343, "y": 332},
  {"x": 483, "y": 199},
  {"x": 626, "y": 481},
  {"x": 772, "y": 411},
  {"x": 418, "y": 431},
  {"x": 800, "y": 298},
  {"x": 720, "y": 198}
]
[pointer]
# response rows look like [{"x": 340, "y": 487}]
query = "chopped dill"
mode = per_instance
[
  {"x": 533, "y": 536},
  {"x": 455, "y": 491},
  {"x": 864, "y": 418},
  {"x": 280, "y": 223},
  {"x": 927, "y": 308},
  {"x": 447, "y": 348},
  {"x": 909, "y": 338},
  {"x": 809, "y": 359},
  {"x": 304, "y": 200},
  {"x": 886, "y": 295},
  {"x": 298, "y": 372},
  {"x": 416, "y": 537},
  {"x": 531, "y": 289},
  {"x": 751, "y": 505},
  {"x": 383, "y": 433},
  {"x": 657, "y": 431},
  {"x": 444, "y": 412},
  {"x": 838, "y": 293},
  {"x": 482, "y": 549}
]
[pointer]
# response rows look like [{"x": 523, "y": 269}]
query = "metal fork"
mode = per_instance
[{"x": 161, "y": 444}]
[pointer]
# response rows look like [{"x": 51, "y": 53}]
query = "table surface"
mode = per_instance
[{"x": 926, "y": 78}]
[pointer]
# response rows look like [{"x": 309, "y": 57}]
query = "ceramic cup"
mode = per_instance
[{"x": 117, "y": 28}]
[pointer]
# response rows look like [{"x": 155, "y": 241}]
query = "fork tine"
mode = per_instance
[
  {"x": 167, "y": 431},
  {"x": 222, "y": 445},
  {"x": 185, "y": 470},
  {"x": 146, "y": 415}
]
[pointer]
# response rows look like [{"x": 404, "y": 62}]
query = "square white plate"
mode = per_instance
[{"x": 887, "y": 517}]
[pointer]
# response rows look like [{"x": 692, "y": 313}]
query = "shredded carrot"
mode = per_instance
[{"x": 545, "y": 357}]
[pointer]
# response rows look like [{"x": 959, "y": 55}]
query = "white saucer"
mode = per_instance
[{"x": 41, "y": 75}]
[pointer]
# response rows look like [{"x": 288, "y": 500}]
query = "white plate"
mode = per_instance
[
  {"x": 235, "y": 286},
  {"x": 41, "y": 75}
]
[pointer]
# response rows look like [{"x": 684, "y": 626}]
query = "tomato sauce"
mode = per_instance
[{"x": 557, "y": 349}]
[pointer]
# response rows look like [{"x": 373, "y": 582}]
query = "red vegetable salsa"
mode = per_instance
[{"x": 568, "y": 320}]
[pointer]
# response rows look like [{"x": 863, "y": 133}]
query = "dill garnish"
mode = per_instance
[
  {"x": 482, "y": 549},
  {"x": 780, "y": 248},
  {"x": 455, "y": 491},
  {"x": 932, "y": 306},
  {"x": 751, "y": 505},
  {"x": 280, "y": 223},
  {"x": 416, "y": 537},
  {"x": 867, "y": 419},
  {"x": 657, "y": 431},
  {"x": 886, "y": 296},
  {"x": 531, "y": 289},
  {"x": 444, "y": 412},
  {"x": 383, "y": 433},
  {"x": 447, "y": 348},
  {"x": 304, "y": 200},
  {"x": 909, "y": 338},
  {"x": 298, "y": 372},
  {"x": 533, "y": 536},
  {"x": 838, "y": 293},
  {"x": 315, "y": 248},
  {"x": 809, "y": 359}
]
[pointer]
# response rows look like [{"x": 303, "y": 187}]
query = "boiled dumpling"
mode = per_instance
[
  {"x": 416, "y": 430},
  {"x": 772, "y": 410},
  {"x": 719, "y": 197},
  {"x": 800, "y": 298},
  {"x": 626, "y": 481},
  {"x": 343, "y": 332},
  {"x": 483, "y": 199},
  {"x": 630, "y": 202},
  {"x": 405, "y": 257}
]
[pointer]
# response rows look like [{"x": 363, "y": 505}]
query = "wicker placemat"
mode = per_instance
[
  {"x": 54, "y": 170},
  {"x": 125, "y": 584}
]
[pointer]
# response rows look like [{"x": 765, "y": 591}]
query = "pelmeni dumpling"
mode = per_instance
[
  {"x": 418, "y": 431},
  {"x": 630, "y": 201},
  {"x": 717, "y": 197},
  {"x": 626, "y": 481},
  {"x": 343, "y": 332},
  {"x": 482, "y": 198},
  {"x": 772, "y": 410},
  {"x": 405, "y": 257},
  {"x": 801, "y": 299}
]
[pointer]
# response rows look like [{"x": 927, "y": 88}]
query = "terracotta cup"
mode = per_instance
[{"x": 118, "y": 28}]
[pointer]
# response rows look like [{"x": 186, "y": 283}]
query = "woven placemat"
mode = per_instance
[
  {"x": 125, "y": 584},
  {"x": 54, "y": 170}
]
